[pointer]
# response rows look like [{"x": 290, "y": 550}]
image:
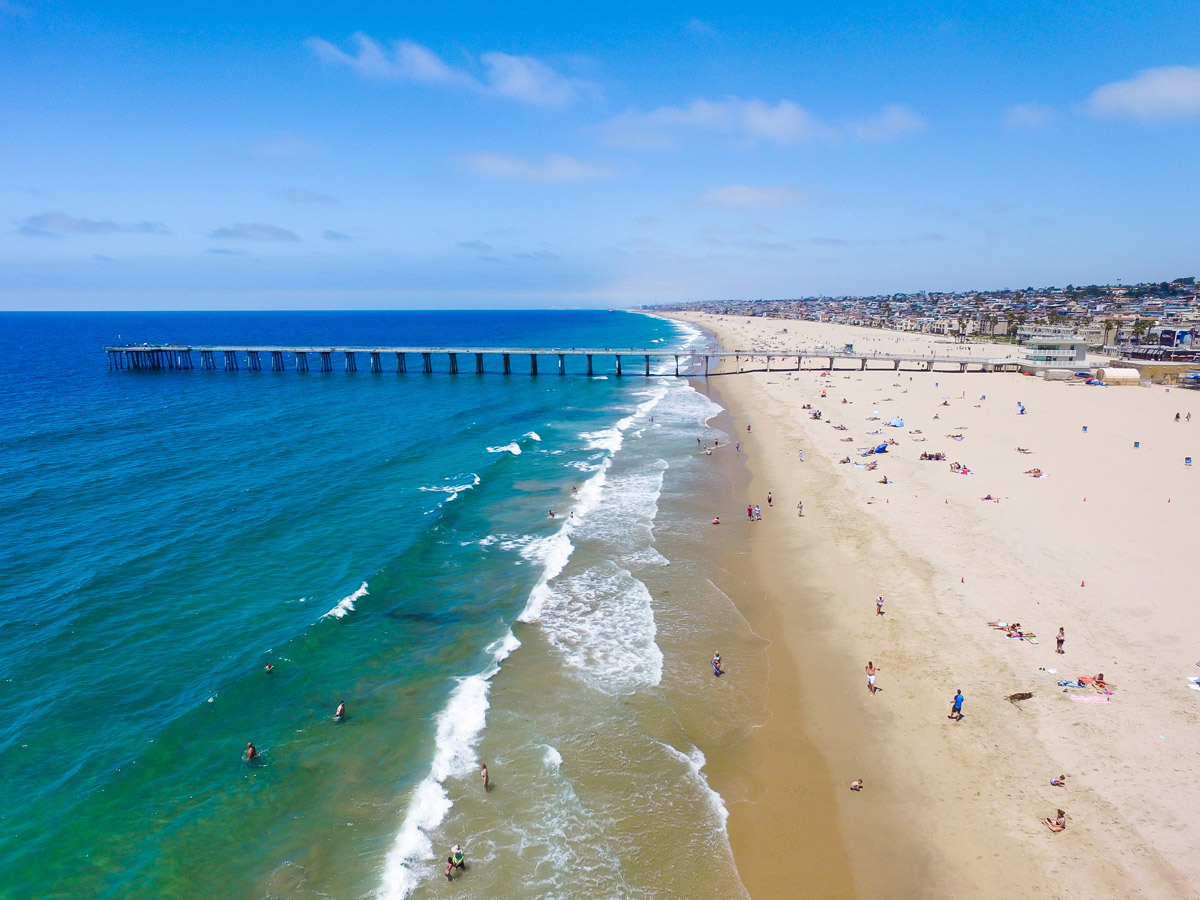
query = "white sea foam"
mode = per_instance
[
  {"x": 345, "y": 606},
  {"x": 533, "y": 436},
  {"x": 459, "y": 726},
  {"x": 553, "y": 758},
  {"x": 696, "y": 762},
  {"x": 507, "y": 448},
  {"x": 452, "y": 490},
  {"x": 601, "y": 621}
]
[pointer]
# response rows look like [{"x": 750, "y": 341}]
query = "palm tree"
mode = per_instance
[
  {"x": 1109, "y": 325},
  {"x": 1140, "y": 327}
]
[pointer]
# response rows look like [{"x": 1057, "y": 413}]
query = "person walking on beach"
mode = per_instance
[
  {"x": 757, "y": 513},
  {"x": 800, "y": 508},
  {"x": 484, "y": 775},
  {"x": 956, "y": 710},
  {"x": 1059, "y": 639},
  {"x": 879, "y": 605},
  {"x": 750, "y": 511},
  {"x": 801, "y": 456},
  {"x": 871, "y": 670},
  {"x": 768, "y": 498}
]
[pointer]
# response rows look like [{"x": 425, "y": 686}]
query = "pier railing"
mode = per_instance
[{"x": 471, "y": 360}]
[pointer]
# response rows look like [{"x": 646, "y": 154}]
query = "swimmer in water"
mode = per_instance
[
  {"x": 251, "y": 753},
  {"x": 718, "y": 670},
  {"x": 484, "y": 775},
  {"x": 268, "y": 668},
  {"x": 340, "y": 712}
]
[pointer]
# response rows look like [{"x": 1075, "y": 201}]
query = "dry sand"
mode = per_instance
[{"x": 1102, "y": 546}]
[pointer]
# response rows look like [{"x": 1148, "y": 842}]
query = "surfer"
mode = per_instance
[
  {"x": 251, "y": 753},
  {"x": 340, "y": 712},
  {"x": 716, "y": 664}
]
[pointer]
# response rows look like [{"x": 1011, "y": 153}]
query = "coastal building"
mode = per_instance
[{"x": 1047, "y": 345}]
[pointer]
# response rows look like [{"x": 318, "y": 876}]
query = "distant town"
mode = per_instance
[{"x": 1156, "y": 320}]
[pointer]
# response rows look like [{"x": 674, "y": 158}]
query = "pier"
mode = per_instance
[{"x": 507, "y": 360}]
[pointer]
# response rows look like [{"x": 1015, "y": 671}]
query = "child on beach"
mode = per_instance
[
  {"x": 1058, "y": 823},
  {"x": 956, "y": 709}
]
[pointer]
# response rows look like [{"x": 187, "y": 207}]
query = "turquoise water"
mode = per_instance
[{"x": 380, "y": 539}]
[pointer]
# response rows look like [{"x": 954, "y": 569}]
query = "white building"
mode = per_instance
[{"x": 1049, "y": 346}]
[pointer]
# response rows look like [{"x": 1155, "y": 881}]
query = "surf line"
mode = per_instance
[{"x": 461, "y": 722}]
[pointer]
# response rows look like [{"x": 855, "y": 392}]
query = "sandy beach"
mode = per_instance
[{"x": 1099, "y": 545}]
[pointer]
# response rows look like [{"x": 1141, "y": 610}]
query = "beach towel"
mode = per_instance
[
  {"x": 1089, "y": 698},
  {"x": 1074, "y": 684}
]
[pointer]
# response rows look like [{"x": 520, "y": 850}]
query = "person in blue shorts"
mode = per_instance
[
  {"x": 956, "y": 709},
  {"x": 718, "y": 669}
]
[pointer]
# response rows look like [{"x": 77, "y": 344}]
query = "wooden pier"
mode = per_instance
[{"x": 159, "y": 357}]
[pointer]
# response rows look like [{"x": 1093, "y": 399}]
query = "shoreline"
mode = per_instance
[{"x": 953, "y": 809}]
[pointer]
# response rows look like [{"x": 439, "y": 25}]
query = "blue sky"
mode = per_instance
[{"x": 213, "y": 156}]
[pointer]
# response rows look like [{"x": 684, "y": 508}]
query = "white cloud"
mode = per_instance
[
  {"x": 1166, "y": 92},
  {"x": 555, "y": 167},
  {"x": 53, "y": 223},
  {"x": 754, "y": 121},
  {"x": 254, "y": 231},
  {"x": 1028, "y": 115},
  {"x": 895, "y": 120},
  {"x": 521, "y": 78},
  {"x": 331, "y": 235},
  {"x": 747, "y": 196},
  {"x": 300, "y": 195}
]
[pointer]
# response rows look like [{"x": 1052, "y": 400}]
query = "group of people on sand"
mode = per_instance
[{"x": 933, "y": 457}]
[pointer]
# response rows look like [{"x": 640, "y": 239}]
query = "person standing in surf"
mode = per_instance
[{"x": 718, "y": 670}]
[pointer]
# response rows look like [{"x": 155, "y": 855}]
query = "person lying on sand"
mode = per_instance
[
  {"x": 1024, "y": 450},
  {"x": 1035, "y": 472},
  {"x": 1057, "y": 824},
  {"x": 844, "y": 461}
]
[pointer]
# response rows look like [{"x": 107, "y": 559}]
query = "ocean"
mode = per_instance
[{"x": 382, "y": 540}]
